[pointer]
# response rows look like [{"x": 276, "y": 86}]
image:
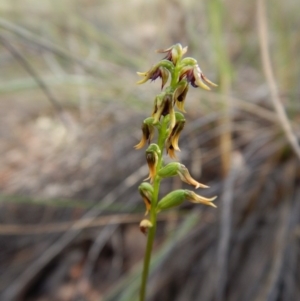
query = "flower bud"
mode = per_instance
[
  {"x": 198, "y": 199},
  {"x": 177, "y": 197},
  {"x": 169, "y": 170},
  {"x": 146, "y": 191},
  {"x": 148, "y": 132},
  {"x": 145, "y": 225},
  {"x": 152, "y": 155},
  {"x": 185, "y": 176},
  {"x": 172, "y": 199},
  {"x": 174, "y": 53},
  {"x": 174, "y": 168}
]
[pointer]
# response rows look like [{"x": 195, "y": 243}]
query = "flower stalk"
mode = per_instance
[{"x": 169, "y": 124}]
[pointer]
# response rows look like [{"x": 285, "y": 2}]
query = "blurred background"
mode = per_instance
[{"x": 70, "y": 114}]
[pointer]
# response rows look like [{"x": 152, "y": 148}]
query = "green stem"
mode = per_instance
[
  {"x": 175, "y": 75},
  {"x": 152, "y": 230},
  {"x": 151, "y": 235}
]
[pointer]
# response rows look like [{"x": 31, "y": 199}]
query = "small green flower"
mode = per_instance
[
  {"x": 169, "y": 170},
  {"x": 177, "y": 169},
  {"x": 145, "y": 225},
  {"x": 177, "y": 197},
  {"x": 172, "y": 199},
  {"x": 174, "y": 53},
  {"x": 198, "y": 199}
]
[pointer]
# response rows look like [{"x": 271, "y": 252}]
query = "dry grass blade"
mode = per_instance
[
  {"x": 226, "y": 225},
  {"x": 216, "y": 19},
  {"x": 267, "y": 66}
]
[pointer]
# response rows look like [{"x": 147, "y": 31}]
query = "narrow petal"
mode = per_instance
[
  {"x": 172, "y": 118},
  {"x": 201, "y": 79},
  {"x": 147, "y": 204},
  {"x": 184, "y": 50},
  {"x": 180, "y": 106},
  {"x": 142, "y": 81},
  {"x": 175, "y": 133},
  {"x": 171, "y": 152},
  {"x": 175, "y": 142},
  {"x": 201, "y": 84},
  {"x": 198, "y": 199},
  {"x": 141, "y": 144},
  {"x": 142, "y": 73},
  {"x": 208, "y": 81},
  {"x": 146, "y": 191},
  {"x": 152, "y": 162},
  {"x": 164, "y": 77},
  {"x": 185, "y": 176},
  {"x": 180, "y": 95},
  {"x": 164, "y": 50}
]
